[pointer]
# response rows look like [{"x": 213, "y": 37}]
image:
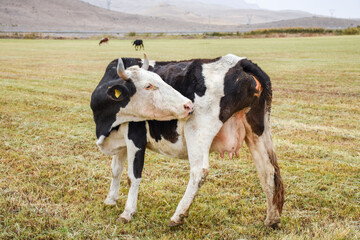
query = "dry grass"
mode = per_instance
[{"x": 53, "y": 179}]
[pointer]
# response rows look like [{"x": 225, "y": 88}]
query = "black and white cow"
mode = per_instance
[
  {"x": 232, "y": 101},
  {"x": 134, "y": 94}
]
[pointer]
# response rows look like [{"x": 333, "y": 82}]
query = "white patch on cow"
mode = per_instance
[
  {"x": 113, "y": 143},
  {"x": 151, "y": 62},
  {"x": 154, "y": 99},
  {"x": 100, "y": 140},
  {"x": 167, "y": 148}
]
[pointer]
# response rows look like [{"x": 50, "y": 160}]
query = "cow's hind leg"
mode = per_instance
[
  {"x": 117, "y": 167},
  {"x": 265, "y": 160},
  {"x": 136, "y": 144}
]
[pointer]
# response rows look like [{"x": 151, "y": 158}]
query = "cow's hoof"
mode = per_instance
[
  {"x": 110, "y": 202},
  {"x": 125, "y": 217},
  {"x": 274, "y": 224},
  {"x": 174, "y": 224},
  {"x": 122, "y": 220}
]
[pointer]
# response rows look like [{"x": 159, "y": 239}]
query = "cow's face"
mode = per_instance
[
  {"x": 153, "y": 100},
  {"x": 134, "y": 94}
]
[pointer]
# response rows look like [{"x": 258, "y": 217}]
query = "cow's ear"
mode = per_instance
[{"x": 117, "y": 92}]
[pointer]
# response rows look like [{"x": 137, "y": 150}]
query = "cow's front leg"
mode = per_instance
[
  {"x": 198, "y": 141},
  {"x": 265, "y": 160},
  {"x": 136, "y": 144},
  {"x": 197, "y": 178},
  {"x": 117, "y": 167}
]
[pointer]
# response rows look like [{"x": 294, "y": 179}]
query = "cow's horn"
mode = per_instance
[
  {"x": 145, "y": 63},
  {"x": 121, "y": 70}
]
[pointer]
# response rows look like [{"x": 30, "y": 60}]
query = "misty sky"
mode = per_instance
[{"x": 340, "y": 8}]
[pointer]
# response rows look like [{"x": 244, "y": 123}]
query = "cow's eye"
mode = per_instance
[{"x": 149, "y": 86}]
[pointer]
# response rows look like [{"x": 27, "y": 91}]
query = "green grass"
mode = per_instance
[{"x": 53, "y": 179}]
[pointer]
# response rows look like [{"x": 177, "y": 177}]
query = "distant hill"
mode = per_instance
[
  {"x": 75, "y": 15},
  {"x": 310, "y": 22},
  {"x": 240, "y": 4},
  {"x": 202, "y": 11},
  {"x": 138, "y": 6},
  {"x": 78, "y": 16}
]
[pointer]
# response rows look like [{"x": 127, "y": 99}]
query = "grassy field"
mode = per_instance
[{"x": 53, "y": 179}]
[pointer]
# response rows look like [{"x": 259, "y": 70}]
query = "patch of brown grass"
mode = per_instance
[{"x": 54, "y": 179}]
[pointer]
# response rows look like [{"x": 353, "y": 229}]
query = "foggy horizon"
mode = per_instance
[{"x": 332, "y": 8}]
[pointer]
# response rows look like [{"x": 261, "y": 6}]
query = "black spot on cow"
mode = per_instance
[
  {"x": 116, "y": 128},
  {"x": 165, "y": 129},
  {"x": 239, "y": 90},
  {"x": 186, "y": 77},
  {"x": 128, "y": 62},
  {"x": 137, "y": 133},
  {"x": 251, "y": 68}
]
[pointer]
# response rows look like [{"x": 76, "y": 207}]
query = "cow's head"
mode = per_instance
[{"x": 135, "y": 94}]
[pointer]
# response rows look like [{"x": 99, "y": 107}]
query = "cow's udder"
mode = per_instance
[{"x": 231, "y": 136}]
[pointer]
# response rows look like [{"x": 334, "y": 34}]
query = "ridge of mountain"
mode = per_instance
[{"x": 79, "y": 16}]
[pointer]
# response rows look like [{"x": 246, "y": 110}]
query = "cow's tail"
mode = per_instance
[{"x": 279, "y": 193}]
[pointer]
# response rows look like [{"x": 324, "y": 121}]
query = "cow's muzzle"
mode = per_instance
[{"x": 189, "y": 108}]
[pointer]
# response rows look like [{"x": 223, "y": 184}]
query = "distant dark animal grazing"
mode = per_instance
[
  {"x": 138, "y": 43},
  {"x": 103, "y": 40},
  {"x": 232, "y": 102}
]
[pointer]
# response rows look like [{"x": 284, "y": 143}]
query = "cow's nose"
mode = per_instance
[{"x": 189, "y": 108}]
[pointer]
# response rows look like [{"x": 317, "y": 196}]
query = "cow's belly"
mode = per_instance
[
  {"x": 177, "y": 149},
  {"x": 229, "y": 139},
  {"x": 231, "y": 136}
]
